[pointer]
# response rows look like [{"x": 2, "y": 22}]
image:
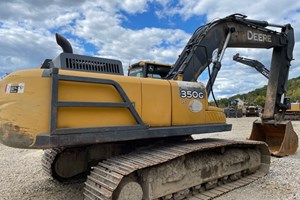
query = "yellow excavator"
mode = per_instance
[
  {"x": 131, "y": 135},
  {"x": 294, "y": 112}
]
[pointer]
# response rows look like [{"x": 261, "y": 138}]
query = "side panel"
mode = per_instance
[
  {"x": 156, "y": 102},
  {"x": 90, "y": 105},
  {"x": 189, "y": 103},
  {"x": 24, "y": 107},
  {"x": 214, "y": 115},
  {"x": 295, "y": 107},
  {"x": 82, "y": 117},
  {"x": 25, "y": 104}
]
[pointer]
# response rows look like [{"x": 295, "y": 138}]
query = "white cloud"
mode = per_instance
[
  {"x": 136, "y": 6},
  {"x": 63, "y": 19},
  {"x": 238, "y": 79},
  {"x": 277, "y": 10},
  {"x": 21, "y": 46},
  {"x": 104, "y": 31}
]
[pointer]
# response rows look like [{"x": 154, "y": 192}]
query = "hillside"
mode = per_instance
[{"x": 258, "y": 95}]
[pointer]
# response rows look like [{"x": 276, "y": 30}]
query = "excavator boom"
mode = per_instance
[
  {"x": 236, "y": 31},
  {"x": 208, "y": 44},
  {"x": 253, "y": 63}
]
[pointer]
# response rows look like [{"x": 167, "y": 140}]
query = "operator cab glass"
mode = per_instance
[
  {"x": 136, "y": 71},
  {"x": 157, "y": 71},
  {"x": 149, "y": 70}
]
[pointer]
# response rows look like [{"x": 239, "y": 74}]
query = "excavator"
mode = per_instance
[
  {"x": 252, "y": 63},
  {"x": 293, "y": 112},
  {"x": 251, "y": 108},
  {"x": 130, "y": 137}
]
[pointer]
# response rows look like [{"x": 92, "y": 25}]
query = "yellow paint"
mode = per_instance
[
  {"x": 75, "y": 117},
  {"x": 83, "y": 117},
  {"x": 214, "y": 115},
  {"x": 102, "y": 93},
  {"x": 23, "y": 116},
  {"x": 156, "y": 102},
  {"x": 181, "y": 113},
  {"x": 294, "y": 107}
]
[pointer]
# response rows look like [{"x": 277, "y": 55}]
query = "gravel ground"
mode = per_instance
[{"x": 21, "y": 174}]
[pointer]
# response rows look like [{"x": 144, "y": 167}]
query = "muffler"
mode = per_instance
[{"x": 280, "y": 136}]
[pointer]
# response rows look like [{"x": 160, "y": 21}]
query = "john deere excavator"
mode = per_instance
[{"x": 132, "y": 135}]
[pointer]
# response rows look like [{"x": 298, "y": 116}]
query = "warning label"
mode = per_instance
[{"x": 15, "y": 88}]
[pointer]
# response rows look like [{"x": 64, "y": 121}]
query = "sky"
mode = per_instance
[{"x": 134, "y": 30}]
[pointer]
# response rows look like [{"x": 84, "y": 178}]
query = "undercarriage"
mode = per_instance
[{"x": 199, "y": 169}]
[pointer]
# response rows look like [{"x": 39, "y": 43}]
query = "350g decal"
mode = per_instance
[
  {"x": 191, "y": 90},
  {"x": 191, "y": 94}
]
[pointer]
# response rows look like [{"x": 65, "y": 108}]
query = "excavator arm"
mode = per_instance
[
  {"x": 252, "y": 63},
  {"x": 207, "y": 46}
]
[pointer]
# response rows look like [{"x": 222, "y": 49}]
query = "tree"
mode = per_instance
[{"x": 260, "y": 100}]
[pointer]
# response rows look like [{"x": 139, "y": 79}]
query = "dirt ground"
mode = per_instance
[{"x": 21, "y": 174}]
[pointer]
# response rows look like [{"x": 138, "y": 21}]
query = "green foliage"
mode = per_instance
[
  {"x": 260, "y": 100},
  {"x": 294, "y": 89},
  {"x": 258, "y": 95}
]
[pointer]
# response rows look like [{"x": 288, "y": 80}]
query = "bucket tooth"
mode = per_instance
[{"x": 280, "y": 136}]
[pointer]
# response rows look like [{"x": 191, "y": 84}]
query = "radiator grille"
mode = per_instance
[{"x": 88, "y": 63}]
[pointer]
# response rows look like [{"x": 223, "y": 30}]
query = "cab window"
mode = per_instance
[{"x": 137, "y": 72}]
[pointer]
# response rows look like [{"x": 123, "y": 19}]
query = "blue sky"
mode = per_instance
[
  {"x": 150, "y": 18},
  {"x": 155, "y": 30}
]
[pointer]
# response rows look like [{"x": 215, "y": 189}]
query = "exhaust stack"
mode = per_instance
[{"x": 63, "y": 43}]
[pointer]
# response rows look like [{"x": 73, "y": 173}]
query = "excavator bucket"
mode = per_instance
[{"x": 280, "y": 136}]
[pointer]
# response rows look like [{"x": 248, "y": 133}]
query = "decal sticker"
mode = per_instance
[
  {"x": 15, "y": 88},
  {"x": 258, "y": 37},
  {"x": 191, "y": 94},
  {"x": 191, "y": 90},
  {"x": 195, "y": 106}
]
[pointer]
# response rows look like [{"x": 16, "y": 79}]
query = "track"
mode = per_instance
[
  {"x": 48, "y": 159},
  {"x": 292, "y": 116},
  {"x": 183, "y": 170},
  {"x": 54, "y": 167}
]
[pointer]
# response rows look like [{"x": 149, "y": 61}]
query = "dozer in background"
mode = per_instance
[
  {"x": 252, "y": 110},
  {"x": 132, "y": 135},
  {"x": 233, "y": 109}
]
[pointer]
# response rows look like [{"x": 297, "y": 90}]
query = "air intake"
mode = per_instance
[{"x": 76, "y": 62}]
